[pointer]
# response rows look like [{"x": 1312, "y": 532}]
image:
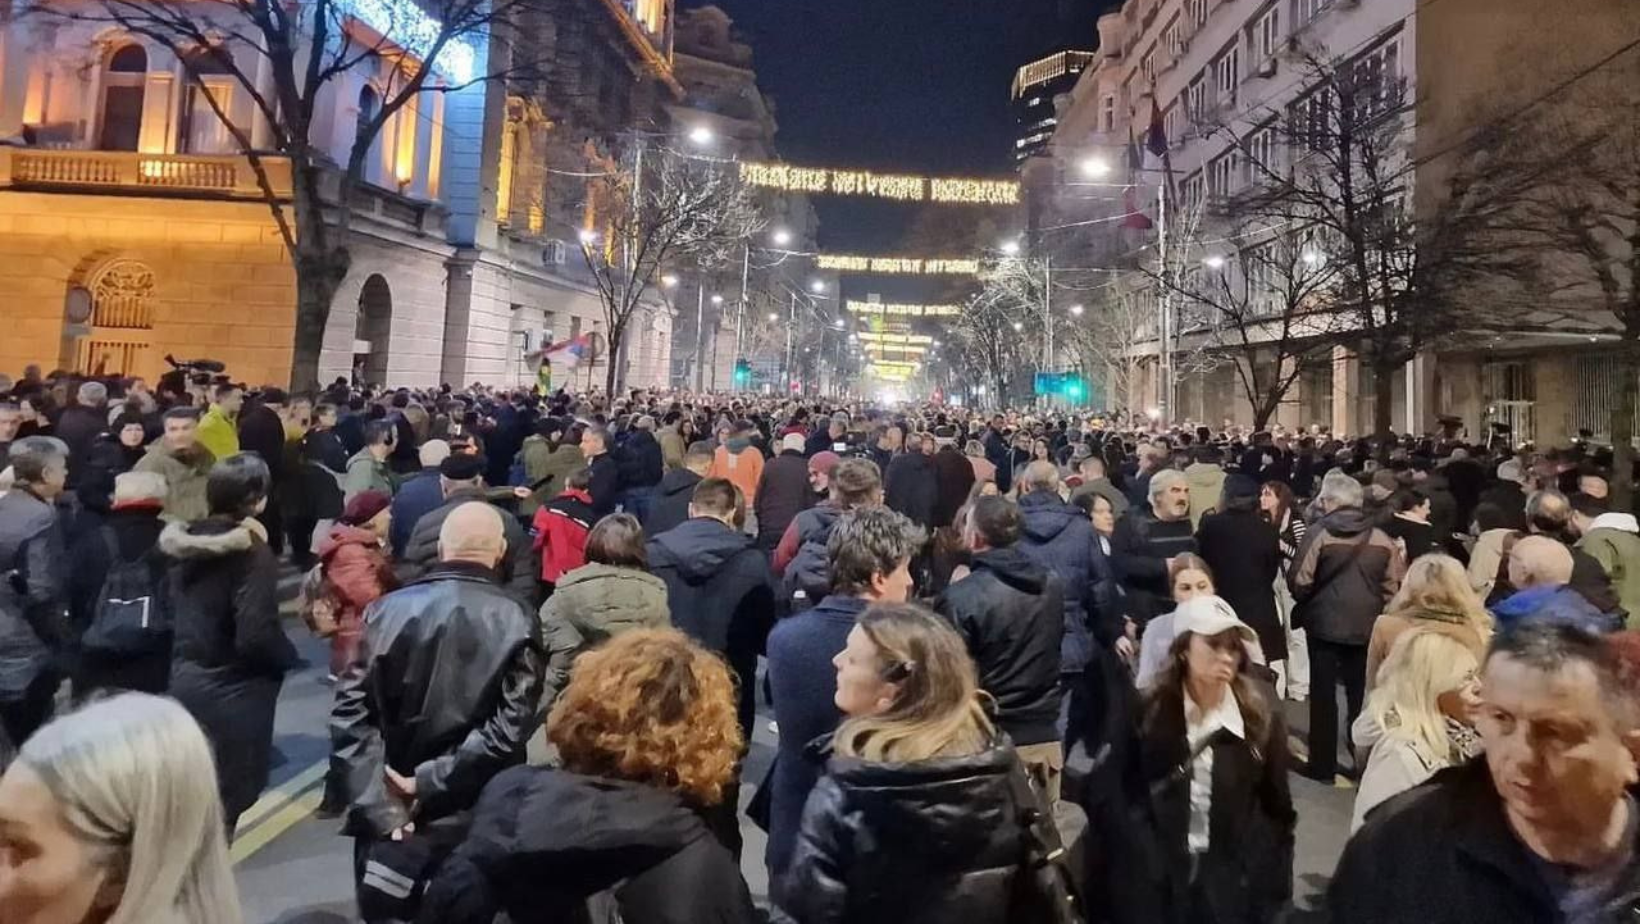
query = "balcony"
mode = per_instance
[{"x": 223, "y": 176}]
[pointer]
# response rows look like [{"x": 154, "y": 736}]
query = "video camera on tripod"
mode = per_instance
[{"x": 185, "y": 372}]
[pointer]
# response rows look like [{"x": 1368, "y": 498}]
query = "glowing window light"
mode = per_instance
[{"x": 412, "y": 29}]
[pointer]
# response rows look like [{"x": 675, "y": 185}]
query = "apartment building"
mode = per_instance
[{"x": 1227, "y": 80}]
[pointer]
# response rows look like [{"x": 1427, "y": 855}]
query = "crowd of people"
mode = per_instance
[{"x": 1021, "y": 667}]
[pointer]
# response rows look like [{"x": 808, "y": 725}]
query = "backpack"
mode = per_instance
[
  {"x": 316, "y": 603},
  {"x": 133, "y": 611},
  {"x": 810, "y": 568}
]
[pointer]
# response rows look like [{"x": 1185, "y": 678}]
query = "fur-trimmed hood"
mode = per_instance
[{"x": 210, "y": 538}]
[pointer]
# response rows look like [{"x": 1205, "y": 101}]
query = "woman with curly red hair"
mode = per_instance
[{"x": 648, "y": 737}]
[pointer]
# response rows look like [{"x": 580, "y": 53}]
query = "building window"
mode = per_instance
[
  {"x": 1224, "y": 174},
  {"x": 1170, "y": 124},
  {"x": 1198, "y": 13},
  {"x": 1107, "y": 114},
  {"x": 1261, "y": 154},
  {"x": 1312, "y": 120},
  {"x": 1267, "y": 34},
  {"x": 1306, "y": 10},
  {"x": 369, "y": 105},
  {"x": 1227, "y": 71},
  {"x": 1376, "y": 80},
  {"x": 1173, "y": 40},
  {"x": 210, "y": 88},
  {"x": 124, "y": 79},
  {"x": 1196, "y": 98},
  {"x": 1147, "y": 66},
  {"x": 122, "y": 320},
  {"x": 1190, "y": 191}
]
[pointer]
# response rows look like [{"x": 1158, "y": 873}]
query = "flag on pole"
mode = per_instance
[
  {"x": 570, "y": 352},
  {"x": 1135, "y": 218},
  {"x": 1156, "y": 142}
]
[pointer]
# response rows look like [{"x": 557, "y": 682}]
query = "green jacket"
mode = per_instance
[
  {"x": 591, "y": 604},
  {"x": 185, "y": 476},
  {"x": 541, "y": 461},
  {"x": 366, "y": 473},
  {"x": 217, "y": 433},
  {"x": 1615, "y": 543}
]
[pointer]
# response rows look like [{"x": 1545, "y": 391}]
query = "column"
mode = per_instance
[
  {"x": 14, "y": 76},
  {"x": 1420, "y": 394},
  {"x": 1346, "y": 392}
]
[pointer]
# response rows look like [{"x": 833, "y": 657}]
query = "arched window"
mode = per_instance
[
  {"x": 124, "y": 78},
  {"x": 370, "y": 104},
  {"x": 203, "y": 131},
  {"x": 122, "y": 320}
]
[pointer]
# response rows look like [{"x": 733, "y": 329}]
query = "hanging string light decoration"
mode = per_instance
[
  {"x": 897, "y": 266},
  {"x": 914, "y": 311},
  {"x": 902, "y": 187}
]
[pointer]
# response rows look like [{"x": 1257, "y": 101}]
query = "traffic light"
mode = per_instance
[
  {"x": 1073, "y": 388},
  {"x": 743, "y": 373}
]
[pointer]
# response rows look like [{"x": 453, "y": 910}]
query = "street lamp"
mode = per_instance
[
  {"x": 782, "y": 237},
  {"x": 701, "y": 135},
  {"x": 774, "y": 316},
  {"x": 1094, "y": 167},
  {"x": 1076, "y": 310},
  {"x": 588, "y": 237},
  {"x": 839, "y": 324},
  {"x": 1010, "y": 248},
  {"x": 1312, "y": 258},
  {"x": 1018, "y": 327},
  {"x": 717, "y": 299},
  {"x": 669, "y": 281},
  {"x": 1214, "y": 262},
  {"x": 817, "y": 286}
]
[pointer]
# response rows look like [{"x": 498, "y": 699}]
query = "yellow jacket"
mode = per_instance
[{"x": 218, "y": 434}]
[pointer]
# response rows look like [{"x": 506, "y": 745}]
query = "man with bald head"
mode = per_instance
[
  {"x": 442, "y": 696},
  {"x": 1540, "y": 567}
]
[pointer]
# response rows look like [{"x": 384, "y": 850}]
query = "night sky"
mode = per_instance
[{"x": 915, "y": 86}]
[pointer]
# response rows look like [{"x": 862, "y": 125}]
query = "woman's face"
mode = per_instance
[
  {"x": 30, "y": 415},
  {"x": 131, "y": 435},
  {"x": 1191, "y": 583},
  {"x": 1040, "y": 450},
  {"x": 1104, "y": 518},
  {"x": 861, "y": 689},
  {"x": 1213, "y": 659},
  {"x": 47, "y": 874},
  {"x": 1460, "y": 704},
  {"x": 988, "y": 489},
  {"x": 381, "y": 523},
  {"x": 1268, "y": 501}
]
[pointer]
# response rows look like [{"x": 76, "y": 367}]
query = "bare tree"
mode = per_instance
[
  {"x": 1109, "y": 343},
  {"x": 289, "y": 60},
  {"x": 665, "y": 208}
]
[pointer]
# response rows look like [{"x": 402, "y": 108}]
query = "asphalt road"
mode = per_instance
[{"x": 294, "y": 868}]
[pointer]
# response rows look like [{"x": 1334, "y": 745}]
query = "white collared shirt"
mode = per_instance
[{"x": 1197, "y": 728}]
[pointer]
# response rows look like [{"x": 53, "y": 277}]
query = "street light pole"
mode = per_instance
[
  {"x": 1166, "y": 352},
  {"x": 791, "y": 327},
  {"x": 745, "y": 282},
  {"x": 700, "y": 337}
]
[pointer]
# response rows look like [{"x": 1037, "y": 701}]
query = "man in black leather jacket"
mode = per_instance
[
  {"x": 1010, "y": 611},
  {"x": 443, "y": 693}
]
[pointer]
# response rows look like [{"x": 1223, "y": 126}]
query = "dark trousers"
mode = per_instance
[
  {"x": 23, "y": 717},
  {"x": 1331, "y": 664},
  {"x": 299, "y": 532}
]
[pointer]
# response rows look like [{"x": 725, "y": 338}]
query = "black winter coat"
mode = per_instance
[
  {"x": 1010, "y": 611},
  {"x": 79, "y": 426},
  {"x": 445, "y": 687},
  {"x": 1244, "y": 552},
  {"x": 33, "y": 591},
  {"x": 605, "y": 486},
  {"x": 262, "y": 432},
  {"x": 518, "y": 570},
  {"x": 1060, "y": 538},
  {"x": 108, "y": 459},
  {"x": 230, "y": 655},
  {"x": 1444, "y": 853},
  {"x": 641, "y": 463},
  {"x": 669, "y": 507},
  {"x": 910, "y": 487},
  {"x": 782, "y": 494},
  {"x": 135, "y": 532},
  {"x": 1141, "y": 546},
  {"x": 545, "y": 841},
  {"x": 929, "y": 842},
  {"x": 954, "y": 475},
  {"x": 717, "y": 585}
]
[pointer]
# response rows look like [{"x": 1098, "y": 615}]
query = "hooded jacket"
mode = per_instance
[
  {"x": 445, "y": 689},
  {"x": 669, "y": 506},
  {"x": 230, "y": 653},
  {"x": 908, "y": 843},
  {"x": 954, "y": 477},
  {"x": 1613, "y": 540},
  {"x": 561, "y": 528},
  {"x": 911, "y": 487},
  {"x": 717, "y": 584},
  {"x": 592, "y": 604},
  {"x": 185, "y": 476},
  {"x": 366, "y": 473},
  {"x": 1060, "y": 538},
  {"x": 1554, "y": 603},
  {"x": 357, "y": 568},
  {"x": 549, "y": 845},
  {"x": 1010, "y": 611},
  {"x": 1345, "y": 574},
  {"x": 640, "y": 461},
  {"x": 1206, "y": 487},
  {"x": 741, "y": 463}
]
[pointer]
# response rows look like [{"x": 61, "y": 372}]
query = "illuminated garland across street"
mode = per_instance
[
  {"x": 870, "y": 337},
  {"x": 906, "y": 266},
  {"x": 916, "y": 311},
  {"x": 878, "y": 185}
]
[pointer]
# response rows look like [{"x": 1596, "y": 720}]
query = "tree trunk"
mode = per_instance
[
  {"x": 1262, "y": 414},
  {"x": 1628, "y": 396},
  {"x": 1383, "y": 403},
  {"x": 612, "y": 374},
  {"x": 320, "y": 267}
]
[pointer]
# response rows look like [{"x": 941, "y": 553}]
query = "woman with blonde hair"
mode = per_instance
[
  {"x": 917, "y": 770},
  {"x": 1417, "y": 719},
  {"x": 110, "y": 814},
  {"x": 1434, "y": 595},
  {"x": 649, "y": 741}
]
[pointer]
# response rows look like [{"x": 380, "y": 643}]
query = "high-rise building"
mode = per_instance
[{"x": 1035, "y": 87}]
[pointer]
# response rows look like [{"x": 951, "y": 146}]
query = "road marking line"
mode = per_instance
[
  {"x": 279, "y": 796},
  {"x": 266, "y": 833}
]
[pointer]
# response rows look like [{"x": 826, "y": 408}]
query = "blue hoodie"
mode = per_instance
[{"x": 1556, "y": 603}]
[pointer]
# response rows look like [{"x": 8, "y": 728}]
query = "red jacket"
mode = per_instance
[
  {"x": 561, "y": 527},
  {"x": 356, "y": 566}
]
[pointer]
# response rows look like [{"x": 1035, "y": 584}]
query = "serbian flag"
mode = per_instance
[
  {"x": 570, "y": 352},
  {"x": 1135, "y": 218},
  {"x": 1156, "y": 135}
]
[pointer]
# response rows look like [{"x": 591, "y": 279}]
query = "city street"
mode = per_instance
[{"x": 293, "y": 868}]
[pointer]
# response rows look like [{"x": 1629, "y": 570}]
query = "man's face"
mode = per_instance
[
  {"x": 894, "y": 438},
  {"x": 231, "y": 402},
  {"x": 180, "y": 434},
  {"x": 325, "y": 421},
  {"x": 1174, "y": 502},
  {"x": 1593, "y": 486},
  {"x": 592, "y": 445},
  {"x": 819, "y": 481},
  {"x": 837, "y": 429},
  {"x": 1556, "y": 754},
  {"x": 894, "y": 587},
  {"x": 10, "y": 420}
]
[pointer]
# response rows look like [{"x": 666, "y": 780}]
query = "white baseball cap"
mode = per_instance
[{"x": 1209, "y": 615}]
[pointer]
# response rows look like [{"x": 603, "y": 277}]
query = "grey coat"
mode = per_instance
[{"x": 33, "y": 595}]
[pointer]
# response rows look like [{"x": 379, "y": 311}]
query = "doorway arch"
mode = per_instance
[{"x": 373, "y": 330}]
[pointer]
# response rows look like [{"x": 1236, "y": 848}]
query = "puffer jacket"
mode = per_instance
[
  {"x": 1060, "y": 538},
  {"x": 669, "y": 506},
  {"x": 592, "y": 604},
  {"x": 1345, "y": 574},
  {"x": 639, "y": 461},
  {"x": 33, "y": 591},
  {"x": 185, "y": 475},
  {"x": 716, "y": 582},
  {"x": 1614, "y": 542},
  {"x": 908, "y": 843},
  {"x": 445, "y": 688},
  {"x": 1010, "y": 611},
  {"x": 549, "y": 845},
  {"x": 547, "y": 469}
]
